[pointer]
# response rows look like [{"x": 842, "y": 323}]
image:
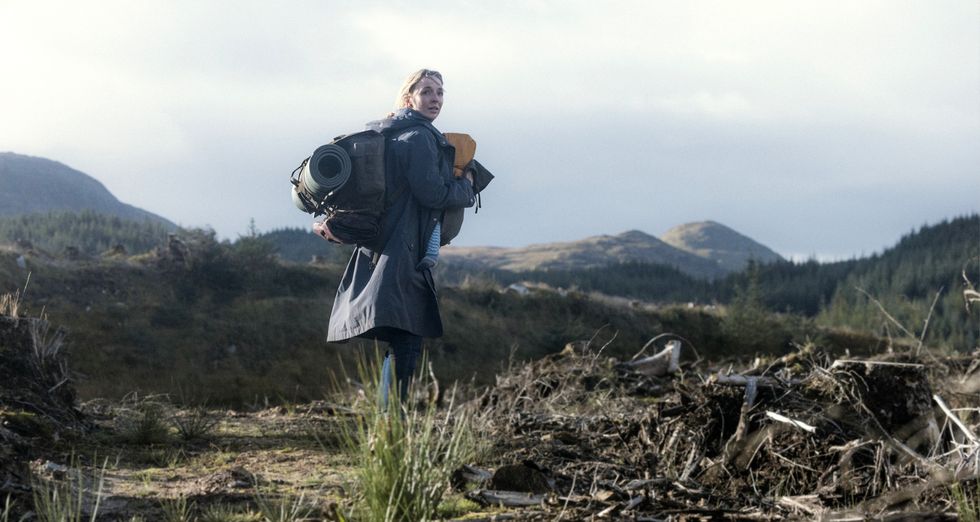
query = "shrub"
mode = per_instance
[{"x": 145, "y": 422}]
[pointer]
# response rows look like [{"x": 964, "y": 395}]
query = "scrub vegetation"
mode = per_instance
[
  {"x": 230, "y": 323},
  {"x": 200, "y": 388}
]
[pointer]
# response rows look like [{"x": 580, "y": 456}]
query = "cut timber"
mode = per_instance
[
  {"x": 786, "y": 420},
  {"x": 742, "y": 380},
  {"x": 469, "y": 475},
  {"x": 489, "y": 497},
  {"x": 808, "y": 504},
  {"x": 665, "y": 362}
]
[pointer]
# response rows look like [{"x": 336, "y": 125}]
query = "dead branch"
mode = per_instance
[
  {"x": 956, "y": 420},
  {"x": 786, "y": 420},
  {"x": 885, "y": 312},
  {"x": 925, "y": 325}
]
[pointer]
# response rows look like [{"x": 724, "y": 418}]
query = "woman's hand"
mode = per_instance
[{"x": 323, "y": 230}]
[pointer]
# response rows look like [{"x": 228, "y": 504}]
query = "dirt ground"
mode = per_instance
[{"x": 244, "y": 458}]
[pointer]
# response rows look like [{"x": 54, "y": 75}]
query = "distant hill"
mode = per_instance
[
  {"x": 632, "y": 246},
  {"x": 711, "y": 240},
  {"x": 30, "y": 185},
  {"x": 591, "y": 252},
  {"x": 716, "y": 252}
]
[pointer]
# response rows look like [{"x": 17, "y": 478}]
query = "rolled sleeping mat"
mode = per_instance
[{"x": 326, "y": 170}]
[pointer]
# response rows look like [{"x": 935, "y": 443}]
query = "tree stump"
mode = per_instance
[{"x": 898, "y": 395}]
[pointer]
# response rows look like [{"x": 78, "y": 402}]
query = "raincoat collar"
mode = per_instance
[{"x": 404, "y": 118}]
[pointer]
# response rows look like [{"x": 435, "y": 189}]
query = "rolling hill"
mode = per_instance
[
  {"x": 711, "y": 240},
  {"x": 720, "y": 252},
  {"x": 31, "y": 185}
]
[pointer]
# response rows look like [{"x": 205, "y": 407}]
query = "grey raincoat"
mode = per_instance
[{"x": 373, "y": 299}]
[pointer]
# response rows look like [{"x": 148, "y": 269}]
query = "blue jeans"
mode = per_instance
[{"x": 404, "y": 349}]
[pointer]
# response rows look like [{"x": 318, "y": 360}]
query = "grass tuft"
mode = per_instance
[
  {"x": 8, "y": 509},
  {"x": 285, "y": 508},
  {"x": 177, "y": 510},
  {"x": 10, "y": 304},
  {"x": 967, "y": 501},
  {"x": 67, "y": 500},
  {"x": 405, "y": 455},
  {"x": 145, "y": 422},
  {"x": 227, "y": 513},
  {"x": 195, "y": 424}
]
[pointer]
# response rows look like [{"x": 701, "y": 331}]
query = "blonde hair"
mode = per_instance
[{"x": 412, "y": 83}]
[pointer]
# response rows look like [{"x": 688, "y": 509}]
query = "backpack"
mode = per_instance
[{"x": 345, "y": 180}]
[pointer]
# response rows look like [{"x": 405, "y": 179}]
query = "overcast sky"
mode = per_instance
[{"x": 817, "y": 128}]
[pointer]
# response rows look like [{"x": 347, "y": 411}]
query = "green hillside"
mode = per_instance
[
  {"x": 230, "y": 323},
  {"x": 89, "y": 232},
  {"x": 906, "y": 279},
  {"x": 234, "y": 323}
]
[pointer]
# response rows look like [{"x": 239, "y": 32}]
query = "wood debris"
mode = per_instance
[{"x": 804, "y": 436}]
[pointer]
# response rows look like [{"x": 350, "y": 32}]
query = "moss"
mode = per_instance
[
  {"x": 27, "y": 424},
  {"x": 458, "y": 507}
]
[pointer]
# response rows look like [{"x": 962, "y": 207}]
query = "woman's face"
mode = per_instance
[{"x": 426, "y": 99}]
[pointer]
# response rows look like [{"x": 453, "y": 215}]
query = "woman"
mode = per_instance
[{"x": 386, "y": 294}]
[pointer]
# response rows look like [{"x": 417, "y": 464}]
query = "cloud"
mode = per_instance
[{"x": 683, "y": 111}]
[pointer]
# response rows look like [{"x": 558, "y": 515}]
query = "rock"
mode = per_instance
[
  {"x": 232, "y": 478},
  {"x": 520, "y": 477}
]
